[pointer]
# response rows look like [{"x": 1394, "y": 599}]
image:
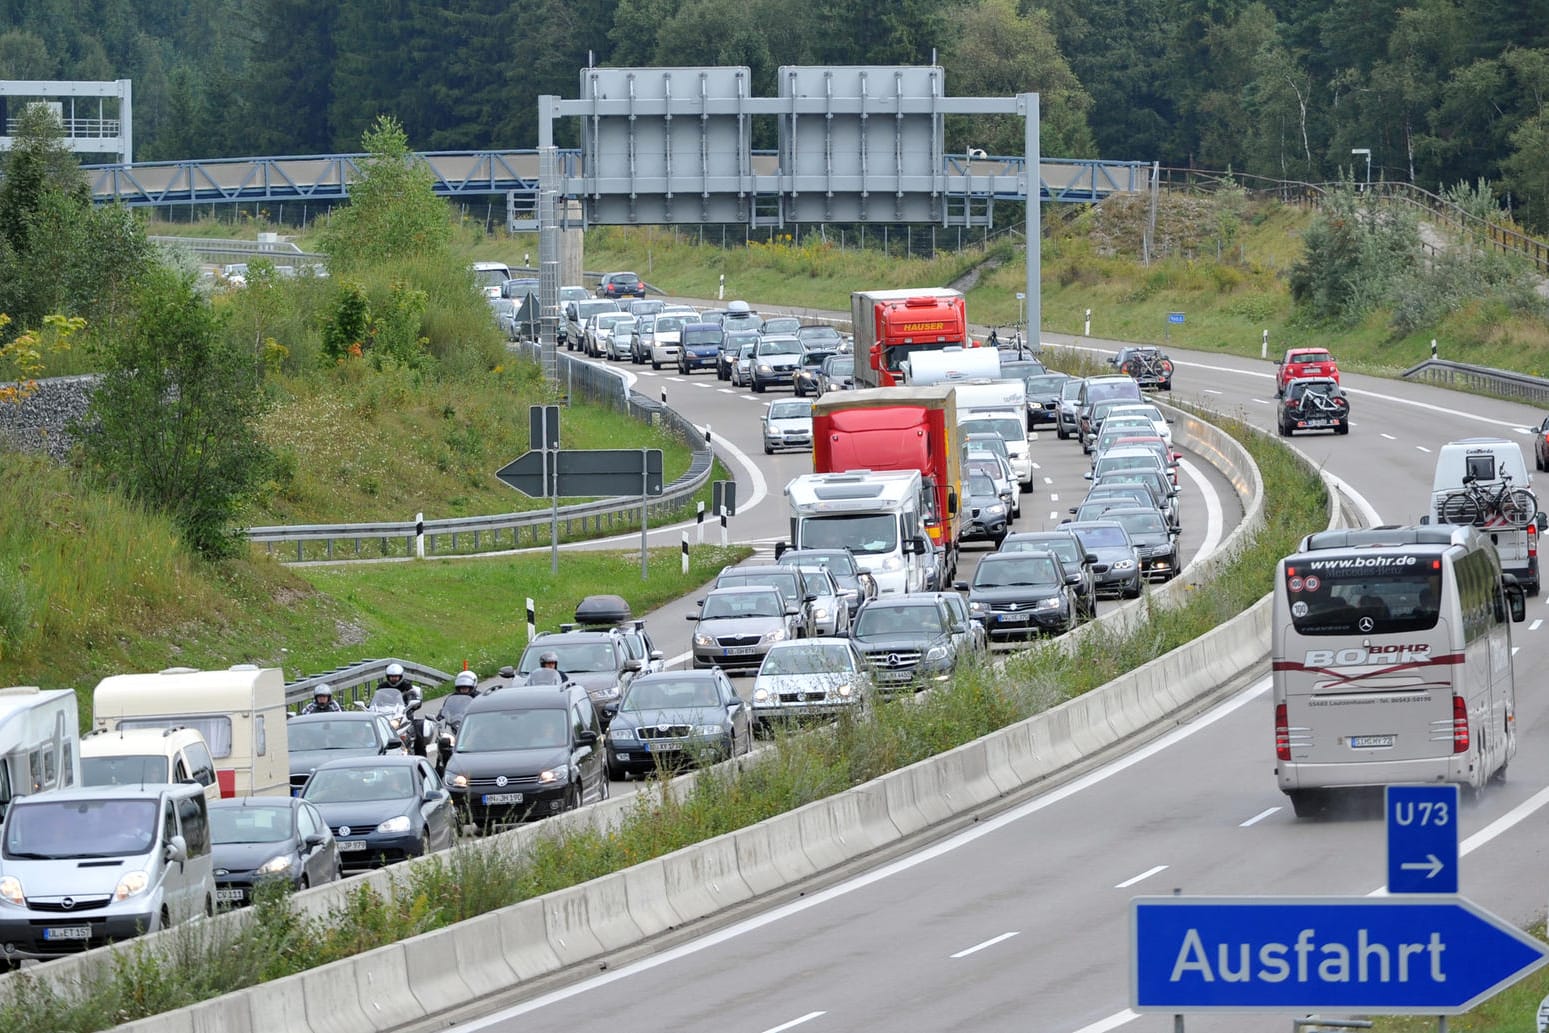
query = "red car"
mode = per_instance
[{"x": 1304, "y": 362}]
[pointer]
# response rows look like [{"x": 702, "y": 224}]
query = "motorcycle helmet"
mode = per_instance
[
  {"x": 549, "y": 657},
  {"x": 323, "y": 691},
  {"x": 466, "y": 678},
  {"x": 395, "y": 670}
]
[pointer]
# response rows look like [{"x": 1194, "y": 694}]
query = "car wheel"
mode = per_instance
[
  {"x": 305, "y": 883},
  {"x": 1343, "y": 428},
  {"x": 797, "y": 390},
  {"x": 1059, "y": 431},
  {"x": 573, "y": 799},
  {"x": 758, "y": 387},
  {"x": 1132, "y": 591},
  {"x": 424, "y": 843},
  {"x": 655, "y": 364},
  {"x": 606, "y": 791},
  {"x": 768, "y": 451}
]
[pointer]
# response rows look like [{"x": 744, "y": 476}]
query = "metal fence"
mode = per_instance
[
  {"x": 357, "y": 681},
  {"x": 1521, "y": 387},
  {"x": 470, "y": 535}
]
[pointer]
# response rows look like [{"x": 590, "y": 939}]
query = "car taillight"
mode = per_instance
[
  {"x": 1532, "y": 541},
  {"x": 1459, "y": 725},
  {"x": 1282, "y": 733}
]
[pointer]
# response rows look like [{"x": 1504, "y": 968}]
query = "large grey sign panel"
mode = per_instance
[
  {"x": 862, "y": 144},
  {"x": 673, "y": 145}
]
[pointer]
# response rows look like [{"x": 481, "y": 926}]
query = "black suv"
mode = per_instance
[
  {"x": 906, "y": 639},
  {"x": 1149, "y": 365},
  {"x": 621, "y": 285},
  {"x": 1022, "y": 593},
  {"x": 527, "y": 752},
  {"x": 1076, "y": 559}
]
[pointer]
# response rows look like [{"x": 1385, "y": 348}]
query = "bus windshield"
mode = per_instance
[{"x": 1336, "y": 596}]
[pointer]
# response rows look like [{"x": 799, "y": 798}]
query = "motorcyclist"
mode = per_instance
[
  {"x": 449, "y": 722},
  {"x": 412, "y": 697},
  {"x": 322, "y": 701},
  {"x": 993, "y": 341},
  {"x": 550, "y": 660},
  {"x": 466, "y": 684}
]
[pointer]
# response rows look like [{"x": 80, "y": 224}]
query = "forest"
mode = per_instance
[{"x": 1440, "y": 91}]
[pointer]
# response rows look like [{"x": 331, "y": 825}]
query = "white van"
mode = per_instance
[
  {"x": 998, "y": 407},
  {"x": 239, "y": 711},
  {"x": 1492, "y": 466},
  {"x": 89, "y": 865},
  {"x": 39, "y": 742},
  {"x": 491, "y": 277},
  {"x": 140, "y": 756}
]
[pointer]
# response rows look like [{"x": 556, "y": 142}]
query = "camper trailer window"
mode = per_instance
[
  {"x": 216, "y": 730},
  {"x": 262, "y": 740},
  {"x": 1481, "y": 468}
]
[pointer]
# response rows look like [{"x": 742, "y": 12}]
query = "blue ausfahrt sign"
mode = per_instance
[
  {"x": 1422, "y": 838},
  {"x": 1373, "y": 955},
  {"x": 1175, "y": 317}
]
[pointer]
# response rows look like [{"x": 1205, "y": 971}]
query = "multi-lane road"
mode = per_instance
[{"x": 1021, "y": 922}]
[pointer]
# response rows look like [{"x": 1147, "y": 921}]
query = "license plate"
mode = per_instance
[
  {"x": 1366, "y": 742},
  {"x": 350, "y": 845},
  {"x": 1316, "y": 423},
  {"x": 738, "y": 651},
  {"x": 499, "y": 798},
  {"x": 1014, "y": 618},
  {"x": 228, "y": 896},
  {"x": 663, "y": 747},
  {"x": 68, "y": 932}
]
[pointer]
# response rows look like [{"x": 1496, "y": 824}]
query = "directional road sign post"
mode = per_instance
[
  {"x": 543, "y": 436},
  {"x": 1421, "y": 955},
  {"x": 1422, "y": 838}
]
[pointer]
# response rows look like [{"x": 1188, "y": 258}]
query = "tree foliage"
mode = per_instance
[
  {"x": 172, "y": 422},
  {"x": 393, "y": 213}
]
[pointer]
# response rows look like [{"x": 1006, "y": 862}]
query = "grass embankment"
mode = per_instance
[
  {"x": 101, "y": 588},
  {"x": 798, "y": 770},
  {"x": 1513, "y": 1010}
]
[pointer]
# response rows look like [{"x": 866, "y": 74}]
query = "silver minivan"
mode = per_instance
[{"x": 89, "y": 865}]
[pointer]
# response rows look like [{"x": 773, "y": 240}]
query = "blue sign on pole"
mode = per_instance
[
  {"x": 1175, "y": 317},
  {"x": 1373, "y": 955},
  {"x": 1422, "y": 838}
]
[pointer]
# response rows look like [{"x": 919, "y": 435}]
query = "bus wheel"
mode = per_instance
[
  {"x": 1499, "y": 776},
  {"x": 1306, "y": 804}
]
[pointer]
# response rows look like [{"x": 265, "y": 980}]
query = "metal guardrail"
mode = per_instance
[
  {"x": 348, "y": 681},
  {"x": 1482, "y": 379},
  {"x": 465, "y": 535}
]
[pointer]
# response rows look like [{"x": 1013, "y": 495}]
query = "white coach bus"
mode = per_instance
[{"x": 1391, "y": 661}]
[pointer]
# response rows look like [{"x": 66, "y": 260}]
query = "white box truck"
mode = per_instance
[{"x": 240, "y": 712}]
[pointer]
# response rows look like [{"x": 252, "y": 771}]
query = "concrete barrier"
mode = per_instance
[
  {"x": 279, "y": 1005},
  {"x": 331, "y": 997},
  {"x": 383, "y": 987},
  {"x": 703, "y": 879},
  {"x": 228, "y": 1014},
  {"x": 770, "y": 854},
  {"x": 524, "y": 939},
  {"x": 481, "y": 956},
  {"x": 434, "y": 976},
  {"x": 645, "y": 891}
]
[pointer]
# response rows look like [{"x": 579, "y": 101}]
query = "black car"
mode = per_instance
[
  {"x": 1155, "y": 543},
  {"x": 1043, "y": 398},
  {"x": 1313, "y": 403},
  {"x": 907, "y": 640},
  {"x": 621, "y": 285},
  {"x": 1110, "y": 543},
  {"x": 731, "y": 347},
  {"x": 855, "y": 584},
  {"x": 809, "y": 376},
  {"x": 1148, "y": 364},
  {"x": 677, "y": 717},
  {"x": 1075, "y": 559},
  {"x": 985, "y": 513},
  {"x": 527, "y": 752},
  {"x": 256, "y": 839},
  {"x": 382, "y": 809},
  {"x": 1018, "y": 594},
  {"x": 318, "y": 738}
]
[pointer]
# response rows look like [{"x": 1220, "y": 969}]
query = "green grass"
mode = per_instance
[{"x": 801, "y": 768}]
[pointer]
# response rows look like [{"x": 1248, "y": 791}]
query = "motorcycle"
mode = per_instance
[
  {"x": 449, "y": 723},
  {"x": 411, "y": 731}
]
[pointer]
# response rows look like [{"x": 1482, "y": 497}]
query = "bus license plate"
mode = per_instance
[
  {"x": 500, "y": 798},
  {"x": 1366, "y": 742},
  {"x": 68, "y": 932}
]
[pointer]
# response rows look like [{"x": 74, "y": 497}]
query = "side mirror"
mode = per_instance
[
  {"x": 951, "y": 502},
  {"x": 632, "y": 665},
  {"x": 1072, "y": 513},
  {"x": 313, "y": 841},
  {"x": 691, "y": 617},
  {"x": 1087, "y": 476},
  {"x": 961, "y": 586},
  {"x": 809, "y": 599},
  {"x": 432, "y": 796},
  {"x": 1073, "y": 579},
  {"x": 657, "y": 654},
  {"x": 1099, "y": 568},
  {"x": 508, "y": 671},
  {"x": 1113, "y": 360},
  {"x": 1542, "y": 520},
  {"x": 360, "y": 704},
  {"x": 960, "y": 628},
  {"x": 1089, "y": 558},
  {"x": 793, "y": 610},
  {"x": 780, "y": 548},
  {"x": 176, "y": 850},
  {"x": 586, "y": 737}
]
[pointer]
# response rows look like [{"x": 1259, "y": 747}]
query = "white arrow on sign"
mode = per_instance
[{"x": 1431, "y": 866}]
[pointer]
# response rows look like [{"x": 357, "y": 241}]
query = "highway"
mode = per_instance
[{"x": 1021, "y": 921}]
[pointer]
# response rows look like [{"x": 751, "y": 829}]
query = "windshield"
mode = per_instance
[
  {"x": 359, "y": 785},
  {"x": 386, "y": 699},
  {"x": 838, "y": 563},
  {"x": 898, "y": 620},
  {"x": 497, "y": 730},
  {"x": 784, "y": 580},
  {"x": 790, "y": 411},
  {"x": 719, "y": 605},
  {"x": 667, "y": 324},
  {"x": 805, "y": 659},
  {"x": 1110, "y": 463},
  {"x": 1062, "y": 547},
  {"x": 982, "y": 443},
  {"x": 1045, "y": 386},
  {"x": 1005, "y": 428},
  {"x": 605, "y": 322},
  {"x": 1113, "y": 389},
  {"x": 819, "y": 333},
  {"x": 1023, "y": 570},
  {"x": 45, "y": 831},
  {"x": 591, "y": 308},
  {"x": 454, "y": 706},
  {"x": 979, "y": 484},
  {"x": 1070, "y": 390},
  {"x": 701, "y": 337},
  {"x": 574, "y": 657},
  {"x": 332, "y": 735},
  {"x": 816, "y": 583},
  {"x": 871, "y": 534},
  {"x": 1103, "y": 537},
  {"x": 670, "y": 693},
  {"x": 250, "y": 824},
  {"x": 782, "y": 325},
  {"x": 836, "y": 366},
  {"x": 1141, "y": 523},
  {"x": 779, "y": 348},
  {"x": 124, "y": 771},
  {"x": 747, "y": 351}
]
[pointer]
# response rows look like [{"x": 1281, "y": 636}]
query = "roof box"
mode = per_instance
[{"x": 602, "y": 609}]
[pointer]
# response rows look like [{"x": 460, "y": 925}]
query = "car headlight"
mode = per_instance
[
  {"x": 892, "y": 563},
  {"x": 11, "y": 891},
  {"x": 977, "y": 606},
  {"x": 765, "y": 369},
  {"x": 844, "y": 691},
  {"x": 1054, "y": 602},
  {"x": 1124, "y": 565},
  {"x": 936, "y": 653},
  {"x": 995, "y": 509},
  {"x": 550, "y": 776},
  {"x": 398, "y": 824},
  {"x": 709, "y": 729},
  {"x": 762, "y": 695},
  {"x": 820, "y": 613},
  {"x": 280, "y": 865},
  {"x": 130, "y": 884},
  {"x": 621, "y": 733},
  {"x": 611, "y": 692},
  {"x": 777, "y": 635},
  {"x": 459, "y": 781},
  {"x": 703, "y": 641}
]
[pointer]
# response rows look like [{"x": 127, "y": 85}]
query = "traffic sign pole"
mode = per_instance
[{"x": 645, "y": 483}]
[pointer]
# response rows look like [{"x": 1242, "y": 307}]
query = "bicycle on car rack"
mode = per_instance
[{"x": 1481, "y": 506}]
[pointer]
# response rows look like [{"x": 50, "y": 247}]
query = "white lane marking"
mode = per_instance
[
  {"x": 1127, "y": 883},
  {"x": 1422, "y": 448},
  {"x": 1260, "y": 816},
  {"x": 1390, "y": 437},
  {"x": 726, "y": 391},
  {"x": 796, "y": 1022},
  {"x": 1214, "y": 522},
  {"x": 930, "y": 853},
  {"x": 1537, "y": 623},
  {"x": 1037, "y": 467},
  {"x": 1261, "y": 401},
  {"x": 1048, "y": 480},
  {"x": 645, "y": 373},
  {"x": 976, "y": 948},
  {"x": 676, "y": 380},
  {"x": 1054, "y": 514},
  {"x": 1054, "y": 497},
  {"x": 1112, "y": 1022},
  {"x": 1210, "y": 391},
  {"x": 700, "y": 383}
]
